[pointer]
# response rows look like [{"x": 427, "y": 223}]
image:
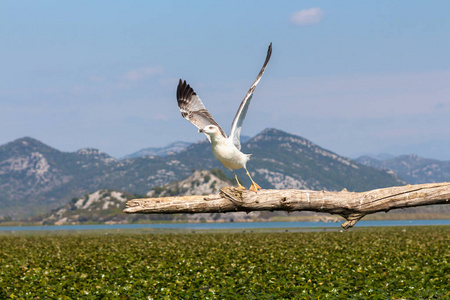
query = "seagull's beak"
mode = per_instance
[{"x": 200, "y": 130}]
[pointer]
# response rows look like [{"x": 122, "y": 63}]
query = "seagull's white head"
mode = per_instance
[{"x": 211, "y": 130}]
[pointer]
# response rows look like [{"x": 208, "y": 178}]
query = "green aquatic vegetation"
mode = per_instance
[{"x": 378, "y": 263}]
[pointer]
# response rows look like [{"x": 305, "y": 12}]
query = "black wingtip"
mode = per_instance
[
  {"x": 181, "y": 88},
  {"x": 184, "y": 90},
  {"x": 269, "y": 54}
]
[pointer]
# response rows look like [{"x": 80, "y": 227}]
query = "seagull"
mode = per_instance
[{"x": 226, "y": 149}]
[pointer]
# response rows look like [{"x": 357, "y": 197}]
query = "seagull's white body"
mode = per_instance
[
  {"x": 226, "y": 152},
  {"x": 225, "y": 149}
]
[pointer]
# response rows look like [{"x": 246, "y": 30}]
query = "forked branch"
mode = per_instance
[{"x": 350, "y": 205}]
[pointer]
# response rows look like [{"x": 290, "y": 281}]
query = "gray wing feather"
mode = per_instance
[
  {"x": 192, "y": 108},
  {"x": 236, "y": 126}
]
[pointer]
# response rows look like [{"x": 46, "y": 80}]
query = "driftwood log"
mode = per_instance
[{"x": 350, "y": 205}]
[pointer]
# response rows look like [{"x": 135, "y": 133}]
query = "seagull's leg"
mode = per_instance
[
  {"x": 254, "y": 187},
  {"x": 240, "y": 186}
]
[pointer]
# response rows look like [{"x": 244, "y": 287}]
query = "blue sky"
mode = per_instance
[{"x": 354, "y": 77}]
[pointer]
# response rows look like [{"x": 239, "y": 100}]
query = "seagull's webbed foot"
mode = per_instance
[{"x": 255, "y": 187}]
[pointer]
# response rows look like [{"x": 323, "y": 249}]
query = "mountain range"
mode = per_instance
[
  {"x": 412, "y": 168},
  {"x": 35, "y": 178}
]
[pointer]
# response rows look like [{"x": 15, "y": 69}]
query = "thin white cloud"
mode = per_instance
[
  {"x": 142, "y": 73},
  {"x": 307, "y": 16}
]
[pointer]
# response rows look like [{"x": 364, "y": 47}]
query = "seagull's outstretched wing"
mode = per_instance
[
  {"x": 236, "y": 126},
  {"x": 192, "y": 108}
]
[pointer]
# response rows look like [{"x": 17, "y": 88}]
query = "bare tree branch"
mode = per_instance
[{"x": 350, "y": 205}]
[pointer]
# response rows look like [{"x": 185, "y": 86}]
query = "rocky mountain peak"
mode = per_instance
[
  {"x": 95, "y": 154},
  {"x": 200, "y": 182},
  {"x": 26, "y": 157},
  {"x": 272, "y": 135},
  {"x": 24, "y": 146}
]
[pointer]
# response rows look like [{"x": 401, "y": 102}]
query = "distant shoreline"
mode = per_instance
[
  {"x": 288, "y": 218},
  {"x": 186, "y": 227}
]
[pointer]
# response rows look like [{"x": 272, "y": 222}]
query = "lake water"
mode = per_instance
[{"x": 252, "y": 225}]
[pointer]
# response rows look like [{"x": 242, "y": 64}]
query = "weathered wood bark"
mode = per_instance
[{"x": 352, "y": 206}]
